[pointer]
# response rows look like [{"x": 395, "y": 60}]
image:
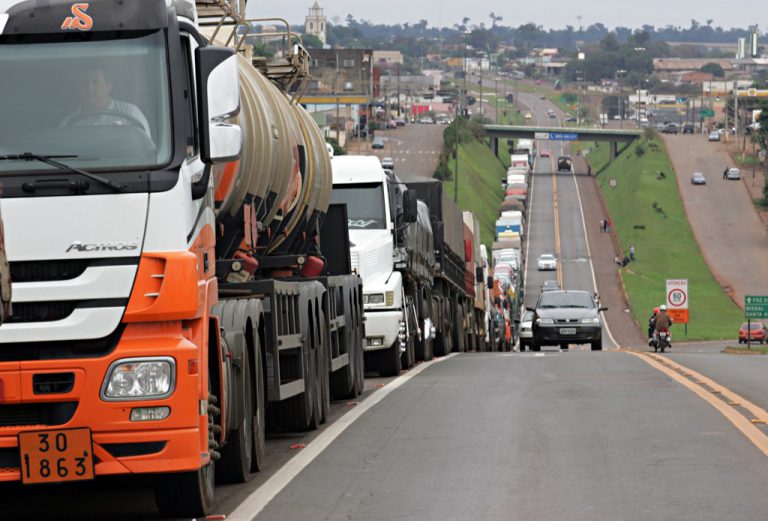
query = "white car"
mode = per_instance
[
  {"x": 714, "y": 136},
  {"x": 547, "y": 261},
  {"x": 526, "y": 330},
  {"x": 388, "y": 163},
  {"x": 733, "y": 173}
]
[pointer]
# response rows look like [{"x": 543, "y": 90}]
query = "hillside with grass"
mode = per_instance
[
  {"x": 480, "y": 175},
  {"x": 647, "y": 212}
]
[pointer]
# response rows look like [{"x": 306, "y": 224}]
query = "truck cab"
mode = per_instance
[{"x": 378, "y": 208}]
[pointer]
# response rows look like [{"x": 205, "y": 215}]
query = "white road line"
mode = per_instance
[{"x": 252, "y": 506}]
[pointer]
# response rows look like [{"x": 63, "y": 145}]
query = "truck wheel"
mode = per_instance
[
  {"x": 185, "y": 494},
  {"x": 522, "y": 346},
  {"x": 390, "y": 361},
  {"x": 535, "y": 346},
  {"x": 598, "y": 345},
  {"x": 297, "y": 413},
  {"x": 189, "y": 494},
  {"x": 438, "y": 344},
  {"x": 323, "y": 395},
  {"x": 409, "y": 356},
  {"x": 237, "y": 454}
]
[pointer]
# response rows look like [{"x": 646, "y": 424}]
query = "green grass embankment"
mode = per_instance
[
  {"x": 647, "y": 212},
  {"x": 480, "y": 174}
]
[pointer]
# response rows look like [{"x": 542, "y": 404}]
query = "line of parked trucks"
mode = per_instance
[
  {"x": 185, "y": 275},
  {"x": 507, "y": 252}
]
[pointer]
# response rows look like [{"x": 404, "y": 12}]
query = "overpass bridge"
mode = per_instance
[{"x": 614, "y": 137}]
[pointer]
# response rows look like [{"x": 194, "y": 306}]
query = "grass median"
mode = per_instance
[
  {"x": 480, "y": 191},
  {"x": 647, "y": 213}
]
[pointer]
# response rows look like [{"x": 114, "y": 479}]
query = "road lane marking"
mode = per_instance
[
  {"x": 252, "y": 506},
  {"x": 589, "y": 256},
  {"x": 556, "y": 213},
  {"x": 698, "y": 386}
]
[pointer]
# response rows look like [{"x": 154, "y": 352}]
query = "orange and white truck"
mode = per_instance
[{"x": 180, "y": 280}]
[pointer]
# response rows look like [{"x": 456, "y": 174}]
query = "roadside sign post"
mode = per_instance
[
  {"x": 755, "y": 306},
  {"x": 677, "y": 301}
]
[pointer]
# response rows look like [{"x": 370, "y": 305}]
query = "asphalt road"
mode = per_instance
[
  {"x": 414, "y": 147},
  {"x": 723, "y": 219},
  {"x": 555, "y": 220},
  {"x": 546, "y": 436}
]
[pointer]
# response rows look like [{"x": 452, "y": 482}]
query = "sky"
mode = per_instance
[{"x": 548, "y": 13}]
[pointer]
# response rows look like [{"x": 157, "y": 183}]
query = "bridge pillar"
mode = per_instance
[
  {"x": 614, "y": 150},
  {"x": 495, "y": 146}
]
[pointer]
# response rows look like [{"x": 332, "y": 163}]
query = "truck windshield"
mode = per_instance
[
  {"x": 365, "y": 205},
  {"x": 104, "y": 101}
]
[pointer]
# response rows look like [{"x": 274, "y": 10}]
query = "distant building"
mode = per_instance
[
  {"x": 387, "y": 58},
  {"x": 315, "y": 23},
  {"x": 668, "y": 68},
  {"x": 346, "y": 73}
]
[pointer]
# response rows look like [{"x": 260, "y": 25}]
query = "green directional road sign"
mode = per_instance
[
  {"x": 707, "y": 113},
  {"x": 756, "y": 306}
]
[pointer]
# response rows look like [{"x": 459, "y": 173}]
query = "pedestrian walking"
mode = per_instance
[
  {"x": 725, "y": 173},
  {"x": 602, "y": 225},
  {"x": 608, "y": 225},
  {"x": 632, "y": 253}
]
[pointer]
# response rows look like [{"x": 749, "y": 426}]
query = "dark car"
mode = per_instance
[
  {"x": 567, "y": 317},
  {"x": 564, "y": 164},
  {"x": 671, "y": 128},
  {"x": 687, "y": 128}
]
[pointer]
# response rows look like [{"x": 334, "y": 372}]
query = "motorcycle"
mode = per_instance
[{"x": 663, "y": 341}]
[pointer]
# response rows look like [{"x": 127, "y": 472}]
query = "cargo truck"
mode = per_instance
[
  {"x": 477, "y": 278},
  {"x": 180, "y": 280},
  {"x": 451, "y": 301},
  {"x": 393, "y": 251}
]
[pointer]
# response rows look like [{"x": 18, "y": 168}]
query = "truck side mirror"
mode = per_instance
[
  {"x": 410, "y": 207},
  {"x": 489, "y": 282},
  {"x": 479, "y": 275},
  {"x": 218, "y": 88}
]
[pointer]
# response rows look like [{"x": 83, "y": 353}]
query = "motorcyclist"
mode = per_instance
[
  {"x": 652, "y": 325},
  {"x": 663, "y": 322}
]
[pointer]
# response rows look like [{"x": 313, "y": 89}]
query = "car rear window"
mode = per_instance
[
  {"x": 753, "y": 325},
  {"x": 566, "y": 299}
]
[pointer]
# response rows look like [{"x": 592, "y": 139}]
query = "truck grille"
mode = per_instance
[
  {"x": 25, "y": 414},
  {"x": 61, "y": 269},
  {"x": 38, "y": 271},
  {"x": 57, "y": 310}
]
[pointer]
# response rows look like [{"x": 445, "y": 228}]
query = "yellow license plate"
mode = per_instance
[{"x": 56, "y": 455}]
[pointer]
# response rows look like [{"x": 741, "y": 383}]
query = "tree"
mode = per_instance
[
  {"x": 609, "y": 43},
  {"x": 311, "y": 41},
  {"x": 526, "y": 38},
  {"x": 494, "y": 19},
  {"x": 714, "y": 69}
]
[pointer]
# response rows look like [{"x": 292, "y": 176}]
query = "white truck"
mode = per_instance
[{"x": 392, "y": 250}]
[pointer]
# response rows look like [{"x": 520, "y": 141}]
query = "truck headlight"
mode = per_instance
[
  {"x": 139, "y": 379},
  {"x": 593, "y": 320},
  {"x": 545, "y": 321},
  {"x": 373, "y": 298}
]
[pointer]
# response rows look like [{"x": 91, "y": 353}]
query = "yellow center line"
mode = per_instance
[{"x": 696, "y": 382}]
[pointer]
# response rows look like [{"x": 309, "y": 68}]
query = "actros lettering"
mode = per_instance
[{"x": 117, "y": 246}]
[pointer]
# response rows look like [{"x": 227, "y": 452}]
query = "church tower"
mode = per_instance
[{"x": 315, "y": 23}]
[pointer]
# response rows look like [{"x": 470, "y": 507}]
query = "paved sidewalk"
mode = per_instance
[{"x": 604, "y": 247}]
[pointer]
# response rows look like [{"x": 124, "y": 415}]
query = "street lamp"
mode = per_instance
[
  {"x": 457, "y": 120},
  {"x": 620, "y": 75}
]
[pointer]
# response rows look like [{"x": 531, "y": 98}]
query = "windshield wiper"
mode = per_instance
[{"x": 50, "y": 160}]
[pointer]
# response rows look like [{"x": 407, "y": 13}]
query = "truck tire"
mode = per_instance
[
  {"x": 598, "y": 345},
  {"x": 237, "y": 455},
  {"x": 409, "y": 356},
  {"x": 389, "y": 361},
  {"x": 185, "y": 494},
  {"x": 424, "y": 351},
  {"x": 189, "y": 494},
  {"x": 439, "y": 345},
  {"x": 535, "y": 345},
  {"x": 297, "y": 413},
  {"x": 323, "y": 395}
]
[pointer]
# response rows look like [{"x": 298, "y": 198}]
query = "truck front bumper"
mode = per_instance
[
  {"x": 382, "y": 329},
  {"x": 120, "y": 445}
]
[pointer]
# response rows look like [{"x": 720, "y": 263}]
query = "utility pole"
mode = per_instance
[{"x": 457, "y": 119}]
